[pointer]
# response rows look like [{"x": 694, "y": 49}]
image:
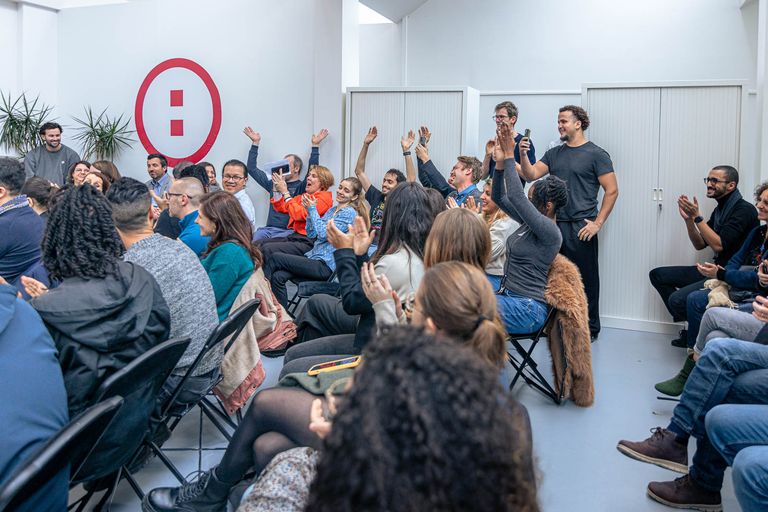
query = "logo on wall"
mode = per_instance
[{"x": 178, "y": 111}]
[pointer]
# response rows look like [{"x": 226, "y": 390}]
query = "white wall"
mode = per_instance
[
  {"x": 277, "y": 66},
  {"x": 380, "y": 55},
  {"x": 9, "y": 52}
]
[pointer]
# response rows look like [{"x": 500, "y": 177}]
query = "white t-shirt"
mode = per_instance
[{"x": 247, "y": 204}]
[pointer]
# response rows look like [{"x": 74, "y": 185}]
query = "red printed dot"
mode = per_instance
[
  {"x": 177, "y": 97},
  {"x": 177, "y": 127}
]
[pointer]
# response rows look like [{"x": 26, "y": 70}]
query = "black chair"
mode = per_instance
[
  {"x": 139, "y": 383},
  {"x": 306, "y": 288},
  {"x": 527, "y": 368},
  {"x": 171, "y": 412},
  {"x": 69, "y": 447}
]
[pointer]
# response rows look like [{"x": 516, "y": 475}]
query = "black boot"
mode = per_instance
[{"x": 206, "y": 494}]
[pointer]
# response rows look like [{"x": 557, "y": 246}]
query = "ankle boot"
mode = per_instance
[
  {"x": 206, "y": 494},
  {"x": 675, "y": 385}
]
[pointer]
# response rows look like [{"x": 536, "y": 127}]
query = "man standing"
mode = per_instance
[
  {"x": 277, "y": 223},
  {"x": 183, "y": 202},
  {"x": 159, "y": 181},
  {"x": 53, "y": 159},
  {"x": 585, "y": 167},
  {"x": 505, "y": 113},
  {"x": 21, "y": 229},
  {"x": 234, "y": 177},
  {"x": 724, "y": 232}
]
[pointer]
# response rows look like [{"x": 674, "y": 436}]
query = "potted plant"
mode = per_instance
[
  {"x": 102, "y": 136},
  {"x": 20, "y": 121}
]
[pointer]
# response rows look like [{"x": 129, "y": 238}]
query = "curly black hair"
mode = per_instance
[
  {"x": 80, "y": 237},
  {"x": 550, "y": 190},
  {"x": 426, "y": 426}
]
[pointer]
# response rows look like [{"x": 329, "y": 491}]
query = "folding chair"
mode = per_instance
[
  {"x": 527, "y": 368},
  {"x": 139, "y": 383},
  {"x": 306, "y": 289},
  {"x": 172, "y": 411},
  {"x": 69, "y": 447}
]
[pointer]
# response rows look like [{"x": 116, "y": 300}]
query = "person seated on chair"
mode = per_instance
[
  {"x": 740, "y": 273},
  {"x": 278, "y": 221},
  {"x": 183, "y": 282},
  {"x": 183, "y": 203},
  {"x": 342, "y": 325},
  {"x": 725, "y": 231},
  {"x": 533, "y": 246},
  {"x": 317, "y": 264},
  {"x": 168, "y": 225},
  {"x": 21, "y": 229},
  {"x": 445, "y": 380},
  {"x": 33, "y": 401},
  {"x": 231, "y": 257},
  {"x": 106, "y": 312},
  {"x": 278, "y": 418},
  {"x": 39, "y": 192},
  {"x": 377, "y": 197},
  {"x": 463, "y": 178},
  {"x": 729, "y": 371},
  {"x": 234, "y": 178},
  {"x": 319, "y": 180}
]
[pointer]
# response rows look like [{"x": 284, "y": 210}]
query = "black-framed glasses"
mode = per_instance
[
  {"x": 714, "y": 181},
  {"x": 229, "y": 177},
  {"x": 499, "y": 118}
]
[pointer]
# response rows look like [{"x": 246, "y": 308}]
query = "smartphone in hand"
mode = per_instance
[{"x": 527, "y": 134}]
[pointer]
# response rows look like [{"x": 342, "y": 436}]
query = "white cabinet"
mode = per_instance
[
  {"x": 450, "y": 113},
  {"x": 663, "y": 141}
]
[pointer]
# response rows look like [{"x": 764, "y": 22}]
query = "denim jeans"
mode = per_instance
[
  {"x": 728, "y": 371},
  {"x": 270, "y": 232},
  {"x": 726, "y": 323},
  {"x": 495, "y": 281},
  {"x": 674, "y": 284},
  {"x": 696, "y": 307},
  {"x": 740, "y": 434},
  {"x": 520, "y": 315}
]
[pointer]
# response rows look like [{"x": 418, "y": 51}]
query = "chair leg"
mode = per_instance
[{"x": 529, "y": 371}]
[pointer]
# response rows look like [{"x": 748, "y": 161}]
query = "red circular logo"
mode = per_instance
[{"x": 198, "y": 70}]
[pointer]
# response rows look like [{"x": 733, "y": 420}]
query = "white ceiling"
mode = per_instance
[{"x": 395, "y": 10}]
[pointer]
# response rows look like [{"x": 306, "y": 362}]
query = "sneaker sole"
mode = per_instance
[
  {"x": 662, "y": 463},
  {"x": 688, "y": 506}
]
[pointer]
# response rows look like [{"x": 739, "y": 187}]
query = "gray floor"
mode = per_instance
[{"x": 579, "y": 466}]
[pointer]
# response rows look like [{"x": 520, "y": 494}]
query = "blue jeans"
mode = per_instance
[
  {"x": 269, "y": 232},
  {"x": 729, "y": 371},
  {"x": 520, "y": 315},
  {"x": 495, "y": 281},
  {"x": 696, "y": 306},
  {"x": 740, "y": 434}
]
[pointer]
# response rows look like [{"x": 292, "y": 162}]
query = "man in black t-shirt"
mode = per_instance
[
  {"x": 585, "y": 167},
  {"x": 724, "y": 232},
  {"x": 375, "y": 197}
]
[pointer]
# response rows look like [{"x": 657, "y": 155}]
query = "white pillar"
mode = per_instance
[{"x": 762, "y": 90}]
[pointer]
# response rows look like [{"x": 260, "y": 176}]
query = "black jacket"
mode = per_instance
[
  {"x": 101, "y": 325},
  {"x": 353, "y": 298}
]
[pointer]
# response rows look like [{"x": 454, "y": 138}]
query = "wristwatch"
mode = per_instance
[{"x": 698, "y": 219}]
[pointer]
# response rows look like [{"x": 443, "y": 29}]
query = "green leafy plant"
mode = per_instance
[
  {"x": 103, "y": 136},
  {"x": 20, "y": 121}
]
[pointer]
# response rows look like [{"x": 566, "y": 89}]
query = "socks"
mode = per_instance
[{"x": 681, "y": 436}]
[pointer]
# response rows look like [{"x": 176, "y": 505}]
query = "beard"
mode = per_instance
[{"x": 564, "y": 137}]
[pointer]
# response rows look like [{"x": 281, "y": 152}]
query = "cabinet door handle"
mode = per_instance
[
  {"x": 655, "y": 194},
  {"x": 661, "y": 194}
]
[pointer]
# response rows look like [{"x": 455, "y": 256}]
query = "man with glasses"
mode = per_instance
[
  {"x": 234, "y": 177},
  {"x": 183, "y": 202},
  {"x": 724, "y": 232},
  {"x": 506, "y": 113}
]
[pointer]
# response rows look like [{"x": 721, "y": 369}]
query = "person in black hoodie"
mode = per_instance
[{"x": 106, "y": 312}]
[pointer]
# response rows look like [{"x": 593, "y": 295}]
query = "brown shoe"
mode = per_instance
[
  {"x": 660, "y": 449},
  {"x": 684, "y": 493}
]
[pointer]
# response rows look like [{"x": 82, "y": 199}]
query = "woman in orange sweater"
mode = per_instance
[{"x": 319, "y": 180}]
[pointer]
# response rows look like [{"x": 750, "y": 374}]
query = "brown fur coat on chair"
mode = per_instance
[{"x": 568, "y": 334}]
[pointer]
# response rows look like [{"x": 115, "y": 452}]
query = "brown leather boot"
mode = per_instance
[
  {"x": 660, "y": 449},
  {"x": 683, "y": 492}
]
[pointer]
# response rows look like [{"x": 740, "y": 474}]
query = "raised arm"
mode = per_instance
[
  {"x": 406, "y": 142},
  {"x": 253, "y": 155},
  {"x": 530, "y": 172},
  {"x": 360, "y": 166},
  {"x": 314, "y": 158},
  {"x": 428, "y": 173}
]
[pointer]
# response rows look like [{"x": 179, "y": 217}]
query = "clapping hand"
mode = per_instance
[
  {"x": 506, "y": 140},
  {"x": 498, "y": 156},
  {"x": 472, "y": 205},
  {"x": 451, "y": 203},
  {"x": 407, "y": 140},
  {"x": 376, "y": 288},
  {"x": 489, "y": 146},
  {"x": 307, "y": 200},
  {"x": 33, "y": 287},
  {"x": 319, "y": 137},
  {"x": 688, "y": 207},
  {"x": 254, "y": 136}
]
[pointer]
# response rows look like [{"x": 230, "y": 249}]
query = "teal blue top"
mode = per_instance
[{"x": 229, "y": 266}]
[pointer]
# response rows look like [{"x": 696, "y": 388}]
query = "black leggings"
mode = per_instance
[{"x": 277, "y": 420}]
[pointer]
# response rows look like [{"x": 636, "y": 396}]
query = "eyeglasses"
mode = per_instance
[
  {"x": 499, "y": 118},
  {"x": 714, "y": 181},
  {"x": 229, "y": 177}
]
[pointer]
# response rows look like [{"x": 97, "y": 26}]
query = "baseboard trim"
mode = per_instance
[{"x": 631, "y": 324}]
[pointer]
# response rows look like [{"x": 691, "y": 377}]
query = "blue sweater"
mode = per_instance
[
  {"x": 33, "y": 402},
  {"x": 21, "y": 232},
  {"x": 749, "y": 255}
]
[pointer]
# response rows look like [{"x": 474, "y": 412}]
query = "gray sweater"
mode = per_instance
[
  {"x": 51, "y": 165},
  {"x": 187, "y": 290},
  {"x": 534, "y": 245}
]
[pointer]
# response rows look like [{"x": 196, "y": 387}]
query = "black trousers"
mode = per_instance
[
  {"x": 294, "y": 244},
  {"x": 584, "y": 256},
  {"x": 304, "y": 356},
  {"x": 323, "y": 315},
  {"x": 674, "y": 284},
  {"x": 281, "y": 268}
]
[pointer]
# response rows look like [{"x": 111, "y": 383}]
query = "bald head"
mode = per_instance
[{"x": 184, "y": 197}]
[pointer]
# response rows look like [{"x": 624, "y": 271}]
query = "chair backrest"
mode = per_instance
[
  {"x": 139, "y": 383},
  {"x": 70, "y": 446},
  {"x": 231, "y": 326}
]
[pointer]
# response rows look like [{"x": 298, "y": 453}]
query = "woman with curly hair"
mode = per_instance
[
  {"x": 230, "y": 258},
  {"x": 106, "y": 312}
]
